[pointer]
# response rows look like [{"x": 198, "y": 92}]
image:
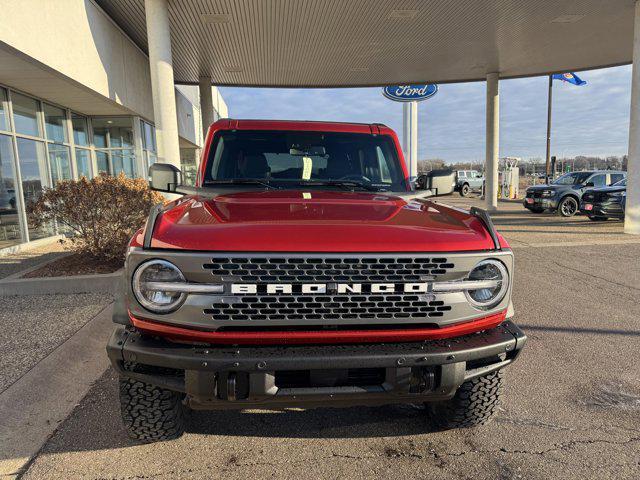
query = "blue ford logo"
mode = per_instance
[{"x": 410, "y": 93}]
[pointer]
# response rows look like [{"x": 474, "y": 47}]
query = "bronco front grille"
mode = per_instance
[
  {"x": 327, "y": 269},
  {"x": 328, "y": 307},
  {"x": 331, "y": 306}
]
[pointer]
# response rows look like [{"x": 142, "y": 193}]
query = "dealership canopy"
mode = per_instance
[{"x": 324, "y": 43}]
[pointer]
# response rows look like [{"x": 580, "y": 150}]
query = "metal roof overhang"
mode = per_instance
[{"x": 343, "y": 43}]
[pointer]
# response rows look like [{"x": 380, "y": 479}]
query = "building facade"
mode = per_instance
[{"x": 76, "y": 100}]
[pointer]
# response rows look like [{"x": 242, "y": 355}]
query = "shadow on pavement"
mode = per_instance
[{"x": 598, "y": 331}]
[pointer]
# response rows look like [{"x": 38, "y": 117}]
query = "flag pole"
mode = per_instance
[{"x": 549, "y": 127}]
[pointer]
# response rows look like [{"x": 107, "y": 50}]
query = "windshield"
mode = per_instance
[
  {"x": 289, "y": 159},
  {"x": 573, "y": 178}
]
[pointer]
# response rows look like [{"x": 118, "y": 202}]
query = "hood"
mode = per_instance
[
  {"x": 543, "y": 186},
  {"x": 316, "y": 221}
]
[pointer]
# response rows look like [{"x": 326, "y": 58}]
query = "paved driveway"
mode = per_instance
[{"x": 571, "y": 410}]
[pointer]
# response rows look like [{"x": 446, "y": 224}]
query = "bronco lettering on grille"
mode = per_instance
[{"x": 315, "y": 288}]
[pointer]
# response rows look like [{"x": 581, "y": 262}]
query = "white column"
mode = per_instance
[
  {"x": 632, "y": 207},
  {"x": 492, "y": 143},
  {"x": 206, "y": 104},
  {"x": 413, "y": 139},
  {"x": 406, "y": 144},
  {"x": 162, "y": 85}
]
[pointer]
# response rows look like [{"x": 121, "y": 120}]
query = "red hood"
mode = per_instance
[{"x": 316, "y": 221}]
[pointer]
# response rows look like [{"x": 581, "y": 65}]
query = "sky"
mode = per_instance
[{"x": 590, "y": 120}]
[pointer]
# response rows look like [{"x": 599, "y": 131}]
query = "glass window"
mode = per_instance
[
  {"x": 4, "y": 115},
  {"x": 189, "y": 165},
  {"x": 113, "y": 132},
  {"x": 615, "y": 178},
  {"x": 33, "y": 168},
  {"x": 25, "y": 115},
  {"x": 102, "y": 159},
  {"x": 54, "y": 122},
  {"x": 9, "y": 223},
  {"x": 148, "y": 136},
  {"x": 80, "y": 129},
  {"x": 599, "y": 180},
  {"x": 123, "y": 161},
  {"x": 59, "y": 162},
  {"x": 83, "y": 162}
]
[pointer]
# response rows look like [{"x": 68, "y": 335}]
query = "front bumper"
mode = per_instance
[
  {"x": 284, "y": 376},
  {"x": 609, "y": 208},
  {"x": 548, "y": 203}
]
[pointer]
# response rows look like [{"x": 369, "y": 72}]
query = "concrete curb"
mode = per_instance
[
  {"x": 32, "y": 408},
  {"x": 99, "y": 283}
]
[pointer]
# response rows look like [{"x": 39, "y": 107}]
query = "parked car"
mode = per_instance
[
  {"x": 468, "y": 181},
  {"x": 605, "y": 202},
  {"x": 564, "y": 194},
  {"x": 303, "y": 271}
]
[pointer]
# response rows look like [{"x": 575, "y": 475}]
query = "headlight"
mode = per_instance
[
  {"x": 548, "y": 193},
  {"x": 150, "y": 282},
  {"x": 491, "y": 270}
]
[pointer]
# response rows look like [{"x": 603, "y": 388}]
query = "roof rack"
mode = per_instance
[{"x": 483, "y": 215}]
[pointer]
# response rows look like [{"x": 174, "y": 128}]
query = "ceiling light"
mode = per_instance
[
  {"x": 567, "y": 19},
  {"x": 215, "y": 18},
  {"x": 403, "y": 14}
]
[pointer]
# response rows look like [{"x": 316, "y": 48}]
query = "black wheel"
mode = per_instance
[
  {"x": 150, "y": 413},
  {"x": 597, "y": 218},
  {"x": 473, "y": 404},
  {"x": 536, "y": 210},
  {"x": 465, "y": 190},
  {"x": 568, "y": 207}
]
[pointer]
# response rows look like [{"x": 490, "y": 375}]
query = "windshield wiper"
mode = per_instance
[
  {"x": 340, "y": 183},
  {"x": 241, "y": 181}
]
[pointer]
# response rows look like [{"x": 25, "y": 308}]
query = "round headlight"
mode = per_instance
[
  {"x": 488, "y": 297},
  {"x": 147, "y": 286}
]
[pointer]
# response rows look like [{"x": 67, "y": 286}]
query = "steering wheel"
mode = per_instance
[{"x": 355, "y": 177}]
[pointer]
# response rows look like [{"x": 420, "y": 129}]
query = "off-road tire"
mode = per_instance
[
  {"x": 150, "y": 413},
  {"x": 473, "y": 404},
  {"x": 536, "y": 210},
  {"x": 465, "y": 190},
  {"x": 597, "y": 218}
]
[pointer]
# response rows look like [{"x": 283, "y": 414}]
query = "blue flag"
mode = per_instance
[{"x": 569, "y": 78}]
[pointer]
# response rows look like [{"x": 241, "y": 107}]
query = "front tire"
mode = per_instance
[
  {"x": 568, "y": 207},
  {"x": 465, "y": 190},
  {"x": 473, "y": 404},
  {"x": 150, "y": 413}
]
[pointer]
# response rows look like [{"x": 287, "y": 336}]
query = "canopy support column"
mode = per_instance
[
  {"x": 162, "y": 84},
  {"x": 492, "y": 142},
  {"x": 632, "y": 208},
  {"x": 206, "y": 104}
]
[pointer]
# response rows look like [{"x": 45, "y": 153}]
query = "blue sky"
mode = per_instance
[{"x": 588, "y": 120}]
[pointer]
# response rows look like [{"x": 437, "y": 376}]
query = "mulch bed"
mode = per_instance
[{"x": 74, "y": 264}]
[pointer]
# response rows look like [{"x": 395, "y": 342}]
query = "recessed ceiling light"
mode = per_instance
[
  {"x": 403, "y": 14},
  {"x": 567, "y": 19},
  {"x": 232, "y": 69},
  {"x": 216, "y": 18}
]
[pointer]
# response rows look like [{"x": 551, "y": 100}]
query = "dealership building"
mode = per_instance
[{"x": 77, "y": 98}]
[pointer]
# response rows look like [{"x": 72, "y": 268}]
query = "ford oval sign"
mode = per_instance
[{"x": 410, "y": 93}]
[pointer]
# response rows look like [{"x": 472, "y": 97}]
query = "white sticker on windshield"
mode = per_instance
[{"x": 307, "y": 165}]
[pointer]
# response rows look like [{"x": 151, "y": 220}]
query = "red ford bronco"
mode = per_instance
[{"x": 301, "y": 270}]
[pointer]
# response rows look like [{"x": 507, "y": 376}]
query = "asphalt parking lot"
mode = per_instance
[{"x": 571, "y": 409}]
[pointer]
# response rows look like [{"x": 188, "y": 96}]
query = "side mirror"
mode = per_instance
[
  {"x": 589, "y": 184},
  {"x": 164, "y": 177}
]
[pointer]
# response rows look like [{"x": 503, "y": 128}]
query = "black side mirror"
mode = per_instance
[
  {"x": 589, "y": 184},
  {"x": 164, "y": 177}
]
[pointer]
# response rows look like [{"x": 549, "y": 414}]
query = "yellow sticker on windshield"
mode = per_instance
[
  {"x": 307, "y": 165},
  {"x": 306, "y": 195}
]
